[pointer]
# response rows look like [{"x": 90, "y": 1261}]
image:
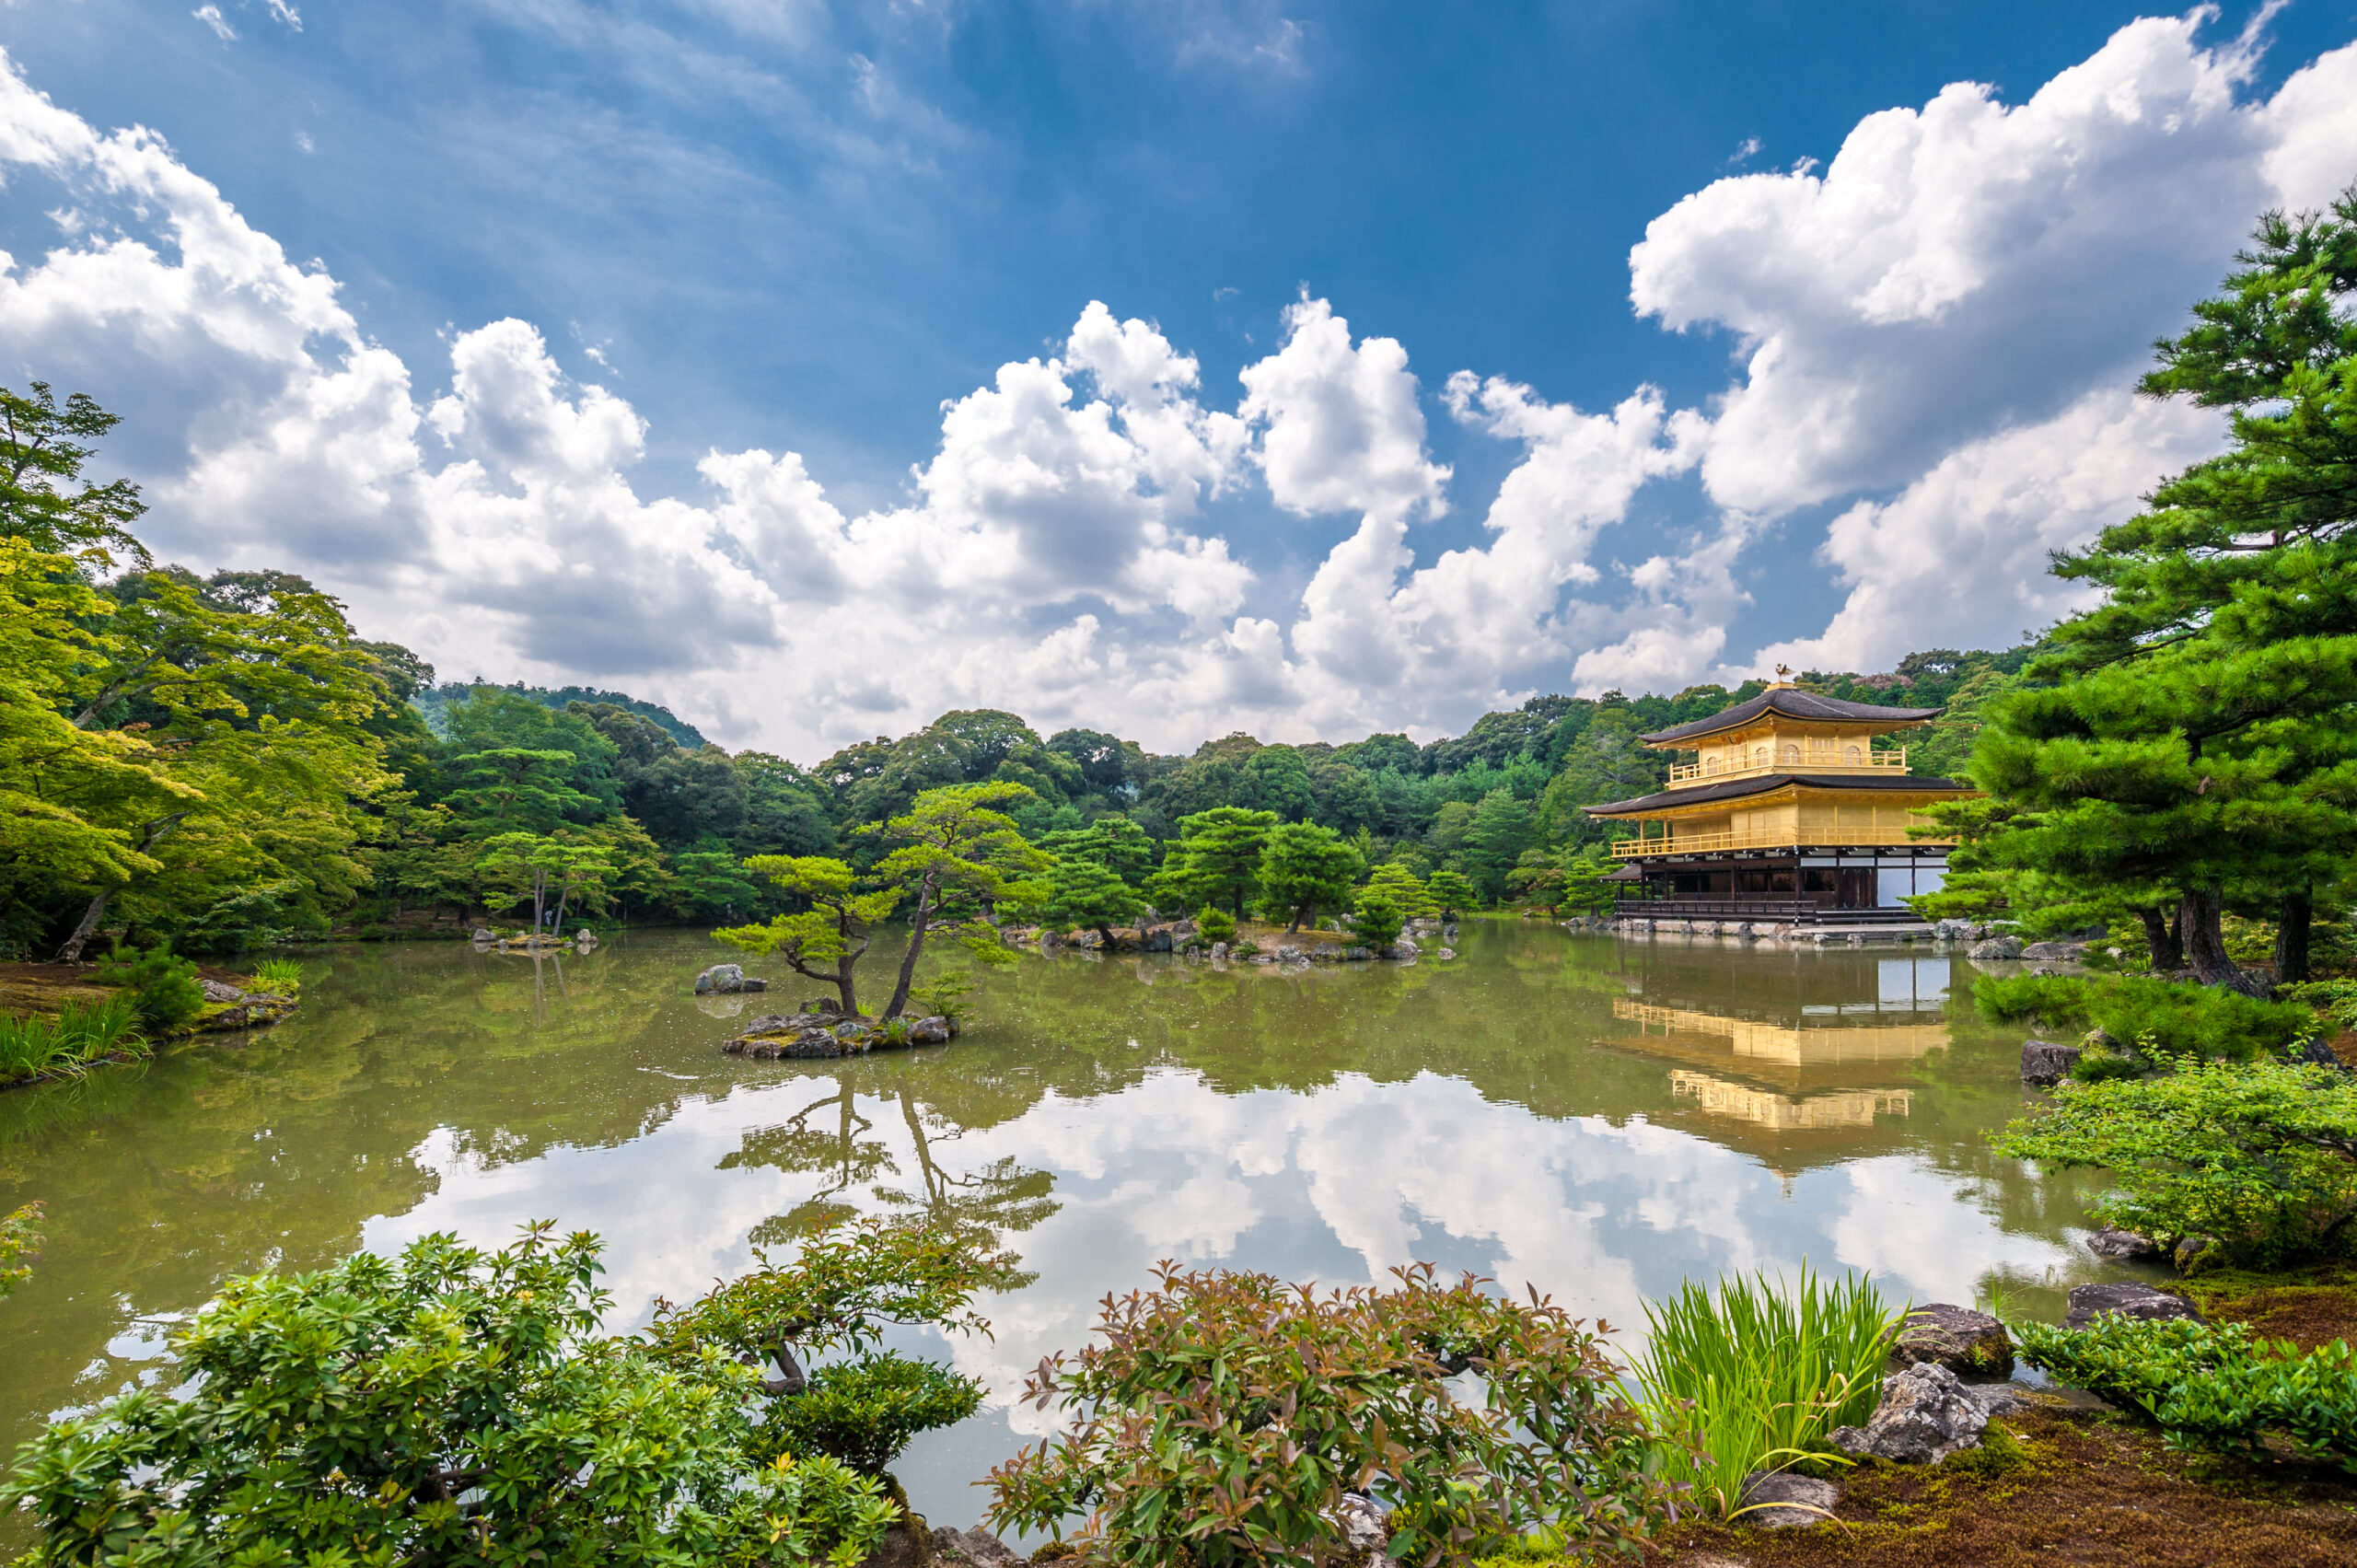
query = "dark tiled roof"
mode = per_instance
[
  {"x": 1736, "y": 789},
  {"x": 1794, "y": 703}
]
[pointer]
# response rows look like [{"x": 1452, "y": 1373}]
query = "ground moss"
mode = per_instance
[
  {"x": 2310, "y": 1307},
  {"x": 2054, "y": 1486}
]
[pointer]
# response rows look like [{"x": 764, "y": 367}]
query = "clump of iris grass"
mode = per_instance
[
  {"x": 80, "y": 1034},
  {"x": 1753, "y": 1376},
  {"x": 278, "y": 977}
]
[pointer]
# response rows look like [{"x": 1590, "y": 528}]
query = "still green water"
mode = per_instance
[{"x": 1598, "y": 1116}]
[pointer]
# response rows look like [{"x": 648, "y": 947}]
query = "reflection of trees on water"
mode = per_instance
[{"x": 827, "y": 1138}]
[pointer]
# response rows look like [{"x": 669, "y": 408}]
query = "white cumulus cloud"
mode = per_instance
[{"x": 1934, "y": 337}]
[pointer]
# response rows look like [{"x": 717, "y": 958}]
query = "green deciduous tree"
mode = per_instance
[
  {"x": 1305, "y": 869},
  {"x": 42, "y": 453}
]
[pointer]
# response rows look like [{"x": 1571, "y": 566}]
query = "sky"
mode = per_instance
[{"x": 1170, "y": 368}]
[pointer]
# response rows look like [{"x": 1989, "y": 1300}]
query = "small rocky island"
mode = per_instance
[{"x": 822, "y": 1030}]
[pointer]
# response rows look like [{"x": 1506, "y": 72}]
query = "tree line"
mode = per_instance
[{"x": 224, "y": 762}]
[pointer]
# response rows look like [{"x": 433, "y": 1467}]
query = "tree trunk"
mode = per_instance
[
  {"x": 917, "y": 923},
  {"x": 2205, "y": 944},
  {"x": 156, "y": 833},
  {"x": 563, "y": 892},
  {"x": 2168, "y": 952},
  {"x": 72, "y": 952},
  {"x": 2292, "y": 931}
]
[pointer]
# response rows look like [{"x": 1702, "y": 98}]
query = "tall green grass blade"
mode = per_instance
[
  {"x": 1753, "y": 1376},
  {"x": 80, "y": 1034}
]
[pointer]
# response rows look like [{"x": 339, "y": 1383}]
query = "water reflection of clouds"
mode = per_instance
[{"x": 1336, "y": 1184}]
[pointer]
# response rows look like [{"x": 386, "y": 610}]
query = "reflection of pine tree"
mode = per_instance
[
  {"x": 1000, "y": 1196},
  {"x": 837, "y": 1151}
]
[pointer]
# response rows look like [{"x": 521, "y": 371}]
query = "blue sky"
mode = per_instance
[{"x": 721, "y": 226}]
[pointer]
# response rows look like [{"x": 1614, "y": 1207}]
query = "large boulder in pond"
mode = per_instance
[
  {"x": 930, "y": 1031},
  {"x": 725, "y": 979},
  {"x": 1996, "y": 947},
  {"x": 2046, "y": 1063},
  {"x": 1926, "y": 1415},
  {"x": 2127, "y": 1298},
  {"x": 1970, "y": 1343}
]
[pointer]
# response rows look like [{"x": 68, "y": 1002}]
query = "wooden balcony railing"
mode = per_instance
[
  {"x": 1804, "y": 759},
  {"x": 1706, "y": 844}
]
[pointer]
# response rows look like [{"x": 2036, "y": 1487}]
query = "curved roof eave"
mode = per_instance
[
  {"x": 1736, "y": 789},
  {"x": 1793, "y": 703}
]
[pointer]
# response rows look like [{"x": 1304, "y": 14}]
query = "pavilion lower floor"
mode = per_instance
[{"x": 1862, "y": 885}]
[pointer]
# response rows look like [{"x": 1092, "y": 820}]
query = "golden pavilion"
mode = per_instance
[{"x": 1787, "y": 813}]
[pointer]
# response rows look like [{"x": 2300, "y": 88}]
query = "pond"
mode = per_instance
[{"x": 1598, "y": 1116}]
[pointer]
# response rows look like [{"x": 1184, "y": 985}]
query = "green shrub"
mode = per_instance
[
  {"x": 1378, "y": 920},
  {"x": 18, "y": 1238},
  {"x": 1224, "y": 1414},
  {"x": 2169, "y": 1016},
  {"x": 278, "y": 977},
  {"x": 2215, "y": 1384},
  {"x": 165, "y": 992},
  {"x": 2336, "y": 999},
  {"x": 864, "y": 1411},
  {"x": 944, "y": 998},
  {"x": 81, "y": 1034},
  {"x": 1215, "y": 924},
  {"x": 1754, "y": 1378},
  {"x": 2262, "y": 1155},
  {"x": 452, "y": 1406},
  {"x": 849, "y": 1279}
]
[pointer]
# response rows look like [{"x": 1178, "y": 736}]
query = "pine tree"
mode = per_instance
[
  {"x": 1304, "y": 868},
  {"x": 2196, "y": 734}
]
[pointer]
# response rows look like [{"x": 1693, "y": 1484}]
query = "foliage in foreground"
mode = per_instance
[
  {"x": 2215, "y": 1384},
  {"x": 2176, "y": 1018},
  {"x": 1754, "y": 1378},
  {"x": 864, "y": 1411},
  {"x": 1225, "y": 1414},
  {"x": 17, "y": 1239},
  {"x": 458, "y": 1406},
  {"x": 847, "y": 1282},
  {"x": 2261, "y": 1155},
  {"x": 35, "y": 1047}
]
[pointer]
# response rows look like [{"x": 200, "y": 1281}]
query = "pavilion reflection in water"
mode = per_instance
[{"x": 1793, "y": 1075}]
